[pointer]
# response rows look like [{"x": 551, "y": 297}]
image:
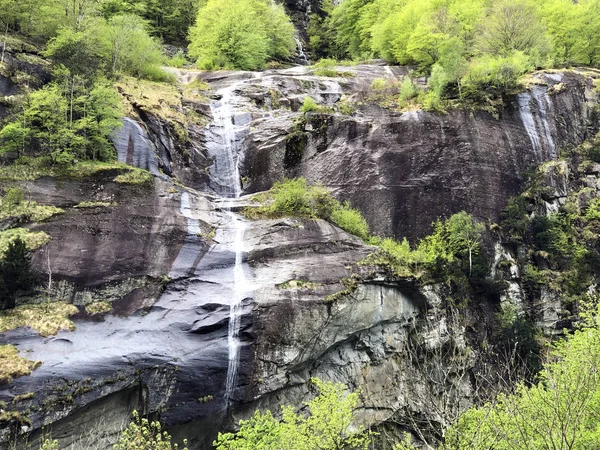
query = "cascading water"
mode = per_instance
[
  {"x": 227, "y": 183},
  {"x": 543, "y": 101},
  {"x": 533, "y": 124},
  {"x": 300, "y": 49}
]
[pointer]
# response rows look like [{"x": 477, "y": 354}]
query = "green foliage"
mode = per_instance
[
  {"x": 66, "y": 120},
  {"x": 483, "y": 45},
  {"x": 449, "y": 252},
  {"x": 141, "y": 434},
  {"x": 326, "y": 426},
  {"x": 240, "y": 35},
  {"x": 490, "y": 76},
  {"x": 309, "y": 105},
  {"x": 350, "y": 220},
  {"x": 513, "y": 26},
  {"x": 49, "y": 444},
  {"x": 560, "y": 411},
  {"x": 294, "y": 198},
  {"x": 15, "y": 272}
]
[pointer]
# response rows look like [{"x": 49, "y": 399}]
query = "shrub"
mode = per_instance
[
  {"x": 13, "y": 197},
  {"x": 309, "y": 105},
  {"x": 141, "y": 434},
  {"x": 408, "y": 90},
  {"x": 495, "y": 76},
  {"x": 15, "y": 272},
  {"x": 350, "y": 220},
  {"x": 327, "y": 425},
  {"x": 294, "y": 198}
]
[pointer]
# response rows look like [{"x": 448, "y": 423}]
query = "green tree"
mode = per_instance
[
  {"x": 326, "y": 427},
  {"x": 82, "y": 52},
  {"x": 464, "y": 235},
  {"x": 131, "y": 49},
  {"x": 513, "y": 25},
  {"x": 15, "y": 272},
  {"x": 559, "y": 412},
  {"x": 240, "y": 35}
]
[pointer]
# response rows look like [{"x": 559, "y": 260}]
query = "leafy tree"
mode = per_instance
[
  {"x": 240, "y": 35},
  {"x": 464, "y": 235},
  {"x": 81, "y": 52},
  {"x": 131, "y": 48},
  {"x": 513, "y": 25},
  {"x": 326, "y": 427},
  {"x": 559, "y": 412},
  {"x": 65, "y": 120},
  {"x": 15, "y": 273}
]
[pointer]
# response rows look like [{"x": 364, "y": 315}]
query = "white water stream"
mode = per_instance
[
  {"x": 533, "y": 124},
  {"x": 226, "y": 173}
]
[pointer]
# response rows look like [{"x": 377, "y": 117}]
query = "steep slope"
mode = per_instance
[{"x": 165, "y": 256}]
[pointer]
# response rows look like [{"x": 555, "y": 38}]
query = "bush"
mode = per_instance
[
  {"x": 293, "y": 198},
  {"x": 141, "y": 434},
  {"x": 309, "y": 105},
  {"x": 408, "y": 90},
  {"x": 15, "y": 272},
  {"x": 350, "y": 220},
  {"x": 327, "y": 425},
  {"x": 13, "y": 197},
  {"x": 494, "y": 76}
]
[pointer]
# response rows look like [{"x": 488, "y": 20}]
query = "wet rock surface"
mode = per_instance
[{"x": 166, "y": 257}]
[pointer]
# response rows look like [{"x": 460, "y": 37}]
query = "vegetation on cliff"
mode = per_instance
[
  {"x": 472, "y": 49},
  {"x": 326, "y": 426}
]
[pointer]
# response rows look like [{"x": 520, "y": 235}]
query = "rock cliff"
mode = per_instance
[{"x": 167, "y": 258}]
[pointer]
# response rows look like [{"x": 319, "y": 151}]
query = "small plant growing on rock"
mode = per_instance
[{"x": 141, "y": 434}]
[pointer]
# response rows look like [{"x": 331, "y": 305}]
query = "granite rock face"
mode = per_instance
[
  {"x": 167, "y": 258},
  {"x": 391, "y": 164}
]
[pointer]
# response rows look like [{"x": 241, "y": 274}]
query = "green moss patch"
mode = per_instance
[
  {"x": 12, "y": 365},
  {"x": 298, "y": 284},
  {"x": 98, "y": 308},
  {"x": 45, "y": 318},
  {"x": 84, "y": 205},
  {"x": 27, "y": 211},
  {"x": 135, "y": 176},
  {"x": 33, "y": 240}
]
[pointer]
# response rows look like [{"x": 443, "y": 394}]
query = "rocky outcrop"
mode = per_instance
[{"x": 391, "y": 164}]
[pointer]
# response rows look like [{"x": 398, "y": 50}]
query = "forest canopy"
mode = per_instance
[{"x": 471, "y": 48}]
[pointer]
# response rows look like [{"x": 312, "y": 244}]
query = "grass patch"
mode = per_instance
[
  {"x": 33, "y": 240},
  {"x": 298, "y": 284},
  {"x": 12, "y": 365},
  {"x": 134, "y": 176},
  {"x": 30, "y": 169},
  {"x": 329, "y": 68},
  {"x": 98, "y": 308},
  {"x": 22, "y": 397},
  {"x": 83, "y": 205},
  {"x": 161, "y": 99},
  {"x": 294, "y": 198},
  {"x": 310, "y": 105},
  {"x": 45, "y": 318},
  {"x": 26, "y": 211}
]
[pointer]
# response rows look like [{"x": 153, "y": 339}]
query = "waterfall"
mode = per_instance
[
  {"x": 300, "y": 48},
  {"x": 543, "y": 101},
  {"x": 226, "y": 175},
  {"x": 533, "y": 124}
]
